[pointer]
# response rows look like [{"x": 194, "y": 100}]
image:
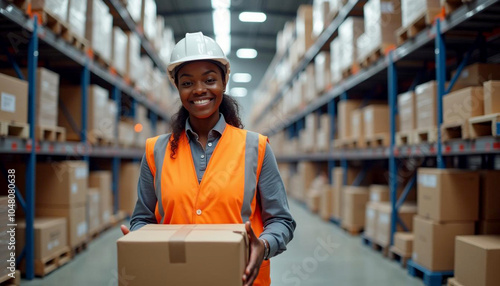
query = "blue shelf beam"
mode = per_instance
[
  {"x": 392, "y": 86},
  {"x": 440, "y": 51}
]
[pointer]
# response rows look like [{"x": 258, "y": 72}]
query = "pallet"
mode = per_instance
[
  {"x": 430, "y": 278},
  {"x": 47, "y": 265},
  {"x": 15, "y": 129},
  {"x": 404, "y": 34},
  {"x": 404, "y": 138},
  {"x": 455, "y": 130},
  {"x": 396, "y": 255},
  {"x": 351, "y": 70},
  {"x": 379, "y": 140},
  {"x": 453, "y": 282},
  {"x": 375, "y": 55},
  {"x": 352, "y": 230},
  {"x": 50, "y": 133},
  {"x": 485, "y": 125},
  {"x": 384, "y": 249},
  {"x": 452, "y": 5},
  {"x": 425, "y": 135},
  {"x": 82, "y": 246},
  {"x": 7, "y": 280}
]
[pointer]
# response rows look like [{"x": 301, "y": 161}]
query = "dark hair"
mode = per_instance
[{"x": 229, "y": 107}]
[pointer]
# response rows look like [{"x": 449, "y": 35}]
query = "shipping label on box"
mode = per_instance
[{"x": 13, "y": 99}]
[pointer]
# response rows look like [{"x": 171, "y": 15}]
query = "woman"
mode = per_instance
[{"x": 209, "y": 170}]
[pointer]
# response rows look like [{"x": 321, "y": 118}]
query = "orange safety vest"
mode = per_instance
[{"x": 226, "y": 194}]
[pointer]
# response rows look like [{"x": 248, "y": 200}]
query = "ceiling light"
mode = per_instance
[
  {"x": 222, "y": 22},
  {"x": 239, "y": 92},
  {"x": 221, "y": 4},
  {"x": 224, "y": 42},
  {"x": 242, "y": 77},
  {"x": 256, "y": 17},
  {"x": 246, "y": 53}
]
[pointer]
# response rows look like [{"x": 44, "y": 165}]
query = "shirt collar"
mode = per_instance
[{"x": 219, "y": 128}]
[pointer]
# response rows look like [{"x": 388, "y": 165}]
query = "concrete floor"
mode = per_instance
[{"x": 320, "y": 254}]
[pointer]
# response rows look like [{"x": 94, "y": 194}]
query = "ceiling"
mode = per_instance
[{"x": 196, "y": 15}]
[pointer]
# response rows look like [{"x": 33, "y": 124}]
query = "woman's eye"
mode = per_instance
[
  {"x": 186, "y": 84},
  {"x": 211, "y": 80}
]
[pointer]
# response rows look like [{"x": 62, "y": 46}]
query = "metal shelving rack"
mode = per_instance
[
  {"x": 428, "y": 46},
  {"x": 43, "y": 44}
]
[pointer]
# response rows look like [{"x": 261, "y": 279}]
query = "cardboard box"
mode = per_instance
[
  {"x": 349, "y": 31},
  {"x": 446, "y": 195},
  {"x": 218, "y": 254},
  {"x": 76, "y": 218},
  {"x": 338, "y": 185},
  {"x": 488, "y": 227},
  {"x": 50, "y": 237},
  {"x": 58, "y": 8},
  {"x": 434, "y": 244},
  {"x": 97, "y": 103},
  {"x": 119, "y": 50},
  {"x": 357, "y": 126},
  {"x": 304, "y": 29},
  {"x": 491, "y": 96},
  {"x": 323, "y": 136},
  {"x": 322, "y": 71},
  {"x": 13, "y": 99},
  {"x": 355, "y": 200},
  {"x": 371, "y": 220},
  {"x": 463, "y": 104},
  {"x": 477, "y": 74},
  {"x": 110, "y": 121},
  {"x": 321, "y": 9},
  {"x": 102, "y": 180},
  {"x": 403, "y": 241},
  {"x": 47, "y": 87},
  {"x": 379, "y": 193},
  {"x": 345, "y": 109},
  {"x": 489, "y": 194},
  {"x": 77, "y": 17},
  {"x": 133, "y": 57},
  {"x": 99, "y": 28},
  {"x": 134, "y": 8},
  {"x": 477, "y": 259},
  {"x": 426, "y": 99},
  {"x": 126, "y": 133},
  {"x": 383, "y": 233},
  {"x": 376, "y": 119},
  {"x": 93, "y": 214},
  {"x": 407, "y": 111},
  {"x": 335, "y": 62},
  {"x": 382, "y": 19},
  {"x": 306, "y": 173},
  {"x": 61, "y": 184},
  {"x": 411, "y": 10},
  {"x": 127, "y": 186},
  {"x": 148, "y": 19},
  {"x": 326, "y": 202}
]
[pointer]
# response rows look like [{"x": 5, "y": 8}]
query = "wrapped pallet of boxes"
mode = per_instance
[
  {"x": 218, "y": 254},
  {"x": 304, "y": 29},
  {"x": 338, "y": 185},
  {"x": 355, "y": 200},
  {"x": 10, "y": 261},
  {"x": 321, "y": 9},
  {"x": 426, "y": 101},
  {"x": 335, "y": 60},
  {"x": 491, "y": 101},
  {"x": 403, "y": 243},
  {"x": 93, "y": 214},
  {"x": 383, "y": 232},
  {"x": 306, "y": 172},
  {"x": 326, "y": 202},
  {"x": 134, "y": 8},
  {"x": 13, "y": 99},
  {"x": 129, "y": 177},
  {"x": 77, "y": 17},
  {"x": 376, "y": 123},
  {"x": 148, "y": 18},
  {"x": 119, "y": 51},
  {"x": 58, "y": 9},
  {"x": 489, "y": 212},
  {"x": 345, "y": 109},
  {"x": 50, "y": 241},
  {"x": 477, "y": 74},
  {"x": 61, "y": 191},
  {"x": 126, "y": 132},
  {"x": 99, "y": 28},
  {"x": 70, "y": 112},
  {"x": 476, "y": 260},
  {"x": 371, "y": 220},
  {"x": 133, "y": 55},
  {"x": 349, "y": 31},
  {"x": 407, "y": 111},
  {"x": 315, "y": 191},
  {"x": 322, "y": 71},
  {"x": 413, "y": 10},
  {"x": 101, "y": 180}
]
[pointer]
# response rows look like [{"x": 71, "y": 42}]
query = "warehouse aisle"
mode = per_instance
[{"x": 320, "y": 254}]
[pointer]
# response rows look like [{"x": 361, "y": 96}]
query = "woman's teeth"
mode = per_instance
[{"x": 201, "y": 101}]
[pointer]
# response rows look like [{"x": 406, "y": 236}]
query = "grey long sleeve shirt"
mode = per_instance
[{"x": 278, "y": 222}]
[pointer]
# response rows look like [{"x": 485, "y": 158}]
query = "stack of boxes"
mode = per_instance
[
  {"x": 119, "y": 51},
  {"x": 304, "y": 29},
  {"x": 349, "y": 32},
  {"x": 148, "y": 19},
  {"x": 14, "y": 100},
  {"x": 489, "y": 212},
  {"x": 338, "y": 175},
  {"x": 354, "y": 206},
  {"x": 127, "y": 186},
  {"x": 345, "y": 110},
  {"x": 101, "y": 181},
  {"x": 407, "y": 117},
  {"x": 321, "y": 9},
  {"x": 146, "y": 131},
  {"x": 412, "y": 10},
  {"x": 77, "y": 17},
  {"x": 376, "y": 122},
  {"x": 99, "y": 28}
]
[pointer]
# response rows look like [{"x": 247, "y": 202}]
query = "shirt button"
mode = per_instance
[
  {"x": 209, "y": 144},
  {"x": 198, "y": 212},
  {"x": 202, "y": 156}
]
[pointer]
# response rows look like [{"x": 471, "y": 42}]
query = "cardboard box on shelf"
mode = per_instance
[
  {"x": 217, "y": 253},
  {"x": 403, "y": 241},
  {"x": 315, "y": 191},
  {"x": 407, "y": 111},
  {"x": 134, "y": 9},
  {"x": 379, "y": 193},
  {"x": 309, "y": 133},
  {"x": 57, "y": 8},
  {"x": 326, "y": 202},
  {"x": 322, "y": 71},
  {"x": 476, "y": 260},
  {"x": 382, "y": 19},
  {"x": 338, "y": 185},
  {"x": 148, "y": 19},
  {"x": 489, "y": 194},
  {"x": 463, "y": 104},
  {"x": 448, "y": 194},
  {"x": 50, "y": 236},
  {"x": 129, "y": 176},
  {"x": 323, "y": 137},
  {"x": 376, "y": 117},
  {"x": 119, "y": 51},
  {"x": 61, "y": 184},
  {"x": 371, "y": 219},
  {"x": 133, "y": 57},
  {"x": 355, "y": 200},
  {"x": 102, "y": 181},
  {"x": 13, "y": 99},
  {"x": 126, "y": 133},
  {"x": 306, "y": 173},
  {"x": 477, "y": 74},
  {"x": 349, "y": 31},
  {"x": 321, "y": 9},
  {"x": 426, "y": 100},
  {"x": 488, "y": 227},
  {"x": 345, "y": 109},
  {"x": 491, "y": 96},
  {"x": 411, "y": 10},
  {"x": 97, "y": 102},
  {"x": 357, "y": 125},
  {"x": 77, "y": 17},
  {"x": 76, "y": 217},
  {"x": 434, "y": 244},
  {"x": 99, "y": 28},
  {"x": 383, "y": 233},
  {"x": 47, "y": 87},
  {"x": 93, "y": 214},
  {"x": 335, "y": 62},
  {"x": 304, "y": 29},
  {"x": 109, "y": 121}
]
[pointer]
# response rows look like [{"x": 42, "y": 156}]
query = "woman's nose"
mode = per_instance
[{"x": 199, "y": 88}]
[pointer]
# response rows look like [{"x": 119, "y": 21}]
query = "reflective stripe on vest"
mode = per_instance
[{"x": 227, "y": 191}]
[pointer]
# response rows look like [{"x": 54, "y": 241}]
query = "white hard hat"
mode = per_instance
[{"x": 196, "y": 47}]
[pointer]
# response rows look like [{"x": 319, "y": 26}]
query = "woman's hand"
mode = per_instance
[
  {"x": 124, "y": 229},
  {"x": 257, "y": 250}
]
